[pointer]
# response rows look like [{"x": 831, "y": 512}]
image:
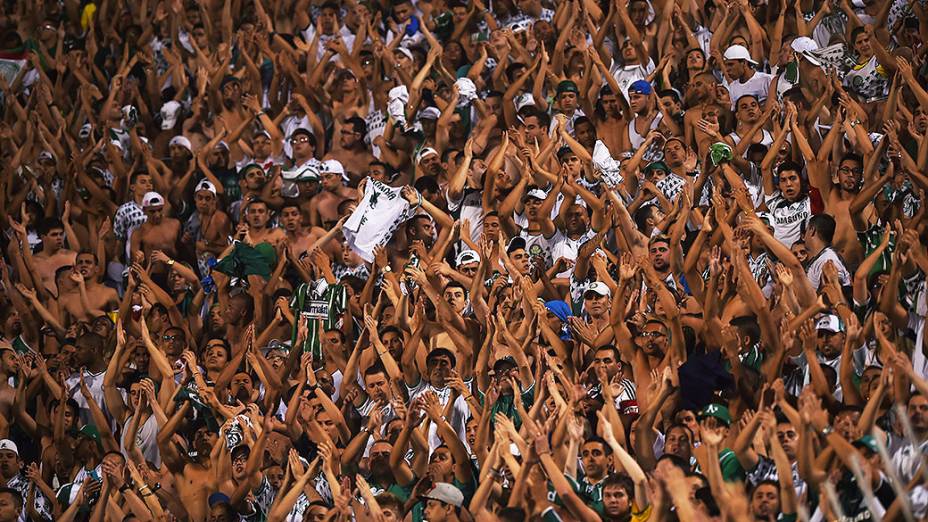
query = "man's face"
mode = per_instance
[
  {"x": 606, "y": 359},
  {"x": 655, "y": 339},
  {"x": 328, "y": 18},
  {"x": 424, "y": 229},
  {"x": 790, "y": 185},
  {"x": 748, "y": 110},
  {"x": 205, "y": 201},
  {"x": 378, "y": 172},
  {"x": 86, "y": 265},
  {"x": 349, "y": 137},
  {"x": 595, "y": 461},
  {"x": 638, "y": 102},
  {"x": 402, "y": 12},
  {"x": 302, "y": 148},
  {"x": 678, "y": 443},
  {"x": 846, "y": 424},
  {"x": 378, "y": 388},
  {"x": 231, "y": 95},
  {"x": 54, "y": 239},
  {"x": 531, "y": 207},
  {"x": 789, "y": 439},
  {"x": 849, "y": 173},
  {"x": 670, "y": 104},
  {"x": 216, "y": 356},
  {"x": 9, "y": 464},
  {"x": 577, "y": 220},
  {"x": 521, "y": 260},
  {"x": 610, "y": 104},
  {"x": 567, "y": 101},
  {"x": 638, "y": 12},
  {"x": 586, "y": 134},
  {"x": 765, "y": 502},
  {"x": 674, "y": 153},
  {"x": 155, "y": 214},
  {"x": 242, "y": 386},
  {"x": 328, "y": 424},
  {"x": 862, "y": 45},
  {"x": 331, "y": 181},
  {"x": 918, "y": 414},
  {"x": 799, "y": 250},
  {"x": 9, "y": 508},
  {"x": 571, "y": 164},
  {"x": 173, "y": 342},
  {"x": 830, "y": 343},
  {"x": 178, "y": 153},
  {"x": 659, "y": 252},
  {"x": 491, "y": 228},
  {"x": 439, "y": 368},
  {"x": 735, "y": 68},
  {"x": 436, "y": 511},
  {"x": 203, "y": 440},
  {"x": 257, "y": 215},
  {"x": 431, "y": 163},
  {"x": 456, "y": 298},
  {"x": 441, "y": 465},
  {"x": 616, "y": 502},
  {"x": 393, "y": 342},
  {"x": 596, "y": 305},
  {"x": 238, "y": 466},
  {"x": 534, "y": 130},
  {"x": 261, "y": 146}
]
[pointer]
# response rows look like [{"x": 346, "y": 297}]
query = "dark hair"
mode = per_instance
[
  {"x": 456, "y": 284},
  {"x": 620, "y": 480},
  {"x": 824, "y": 226},
  {"x": 17, "y": 497},
  {"x": 676, "y": 461},
  {"x": 511, "y": 514},
  {"x": 375, "y": 369},
  {"x": 850, "y": 156},
  {"x": 357, "y": 124},
  {"x": 426, "y": 183},
  {"x": 670, "y": 93},
  {"x": 747, "y": 325},
  {"x": 49, "y": 224},
  {"x": 389, "y": 500},
  {"x": 135, "y": 176},
  {"x": 442, "y": 352},
  {"x": 598, "y": 440},
  {"x": 789, "y": 165},
  {"x": 610, "y": 348},
  {"x": 530, "y": 110},
  {"x": 855, "y": 33}
]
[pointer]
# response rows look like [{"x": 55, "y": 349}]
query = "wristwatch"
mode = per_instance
[
  {"x": 826, "y": 431},
  {"x": 170, "y": 262}
]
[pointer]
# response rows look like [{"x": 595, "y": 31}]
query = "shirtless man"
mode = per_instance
[
  {"x": 647, "y": 117},
  {"x": 350, "y": 150},
  {"x": 195, "y": 479},
  {"x": 837, "y": 198},
  {"x": 232, "y": 113},
  {"x": 257, "y": 224},
  {"x": 101, "y": 297},
  {"x": 159, "y": 232},
  {"x": 299, "y": 238},
  {"x": 53, "y": 254},
  {"x": 611, "y": 125},
  {"x": 9, "y": 365},
  {"x": 324, "y": 205}
]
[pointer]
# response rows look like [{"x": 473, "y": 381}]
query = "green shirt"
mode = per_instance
[{"x": 506, "y": 405}]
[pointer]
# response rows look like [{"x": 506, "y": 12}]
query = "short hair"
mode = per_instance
[
  {"x": 850, "y": 156},
  {"x": 824, "y": 226},
  {"x": 610, "y": 348},
  {"x": 426, "y": 183},
  {"x": 676, "y": 461},
  {"x": 49, "y": 224},
  {"x": 620, "y": 480},
  {"x": 456, "y": 284},
  {"x": 389, "y": 500},
  {"x": 375, "y": 369},
  {"x": 598, "y": 440},
  {"x": 748, "y": 325},
  {"x": 669, "y": 93},
  {"x": 357, "y": 124},
  {"x": 96, "y": 341},
  {"x": 17, "y": 497},
  {"x": 789, "y": 165},
  {"x": 135, "y": 176}
]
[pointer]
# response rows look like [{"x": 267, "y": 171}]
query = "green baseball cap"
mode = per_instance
[
  {"x": 656, "y": 165},
  {"x": 718, "y": 411},
  {"x": 567, "y": 86},
  {"x": 867, "y": 442}
]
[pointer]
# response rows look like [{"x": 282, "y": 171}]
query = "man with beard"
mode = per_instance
[
  {"x": 231, "y": 111},
  {"x": 659, "y": 255},
  {"x": 645, "y": 118},
  {"x": 157, "y": 233},
  {"x": 596, "y": 456},
  {"x": 194, "y": 476},
  {"x": 350, "y": 149},
  {"x": 89, "y": 358},
  {"x": 907, "y": 457},
  {"x": 258, "y": 224},
  {"x": 429, "y": 162},
  {"x": 380, "y": 476},
  {"x": 610, "y": 123},
  {"x": 765, "y": 501},
  {"x": 324, "y": 205},
  {"x": 439, "y": 364},
  {"x": 837, "y": 198},
  {"x": 574, "y": 231}
]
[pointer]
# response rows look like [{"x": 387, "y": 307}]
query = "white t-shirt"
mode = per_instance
[
  {"x": 757, "y": 85},
  {"x": 459, "y": 413},
  {"x": 788, "y": 216},
  {"x": 381, "y": 210},
  {"x": 814, "y": 272},
  {"x": 629, "y": 74}
]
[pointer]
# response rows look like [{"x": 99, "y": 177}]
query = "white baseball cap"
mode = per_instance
[
  {"x": 447, "y": 493},
  {"x": 206, "y": 185},
  {"x": 536, "y": 193},
  {"x": 152, "y": 199},
  {"x": 181, "y": 141},
  {"x": 424, "y": 153},
  {"x": 806, "y": 47},
  {"x": 8, "y": 445},
  {"x": 830, "y": 323},
  {"x": 739, "y": 52},
  {"x": 429, "y": 113},
  {"x": 599, "y": 288},
  {"x": 169, "y": 113},
  {"x": 467, "y": 256}
]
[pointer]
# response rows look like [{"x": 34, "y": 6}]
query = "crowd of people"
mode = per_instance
[{"x": 463, "y": 260}]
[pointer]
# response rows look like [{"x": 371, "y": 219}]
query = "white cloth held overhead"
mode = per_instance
[{"x": 381, "y": 210}]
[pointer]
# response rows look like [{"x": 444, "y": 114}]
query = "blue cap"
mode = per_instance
[
  {"x": 218, "y": 498},
  {"x": 640, "y": 87}
]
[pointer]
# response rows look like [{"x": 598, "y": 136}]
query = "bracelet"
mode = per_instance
[
  {"x": 124, "y": 488},
  {"x": 157, "y": 487},
  {"x": 827, "y": 430}
]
